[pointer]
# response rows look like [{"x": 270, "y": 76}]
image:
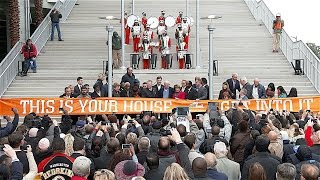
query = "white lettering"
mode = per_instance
[
  {"x": 158, "y": 106},
  {"x": 167, "y": 105},
  {"x": 24, "y": 106},
  {"x": 105, "y": 106},
  {"x": 138, "y": 106},
  {"x": 285, "y": 102},
  {"x": 113, "y": 106},
  {"x": 68, "y": 105},
  {"x": 83, "y": 105},
  {"x": 308, "y": 101},
  {"x": 50, "y": 106},
  {"x": 93, "y": 105}
]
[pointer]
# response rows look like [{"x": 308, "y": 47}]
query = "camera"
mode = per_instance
[
  {"x": 165, "y": 133},
  {"x": 217, "y": 122},
  {"x": 126, "y": 146},
  {"x": 130, "y": 121}
]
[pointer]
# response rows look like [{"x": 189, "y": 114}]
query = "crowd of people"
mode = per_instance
[
  {"x": 130, "y": 86},
  {"x": 235, "y": 144}
]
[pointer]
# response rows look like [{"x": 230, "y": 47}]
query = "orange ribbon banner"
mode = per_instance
[{"x": 85, "y": 106}]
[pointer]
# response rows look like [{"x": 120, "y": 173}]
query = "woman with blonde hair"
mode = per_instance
[
  {"x": 175, "y": 171},
  {"x": 257, "y": 172},
  {"x": 104, "y": 174}
]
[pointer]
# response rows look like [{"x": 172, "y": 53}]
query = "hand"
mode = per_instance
[
  {"x": 301, "y": 131},
  {"x": 189, "y": 116},
  {"x": 135, "y": 122},
  {"x": 132, "y": 150},
  {"x": 89, "y": 119},
  {"x": 65, "y": 112},
  {"x": 98, "y": 125},
  {"x": 15, "y": 110},
  {"x": 175, "y": 136},
  {"x": 8, "y": 118},
  {"x": 29, "y": 149},
  {"x": 9, "y": 151},
  {"x": 55, "y": 122}
]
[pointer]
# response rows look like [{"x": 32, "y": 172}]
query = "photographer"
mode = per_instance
[{"x": 11, "y": 125}]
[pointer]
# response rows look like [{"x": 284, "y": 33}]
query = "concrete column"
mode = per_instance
[
  {"x": 210, "y": 29},
  {"x": 110, "y": 30},
  {"x": 24, "y": 8}
]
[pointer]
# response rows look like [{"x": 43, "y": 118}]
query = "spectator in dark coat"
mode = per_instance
[
  {"x": 208, "y": 144},
  {"x": 77, "y": 88},
  {"x": 316, "y": 144},
  {"x": 15, "y": 141},
  {"x": 293, "y": 92},
  {"x": 116, "y": 90},
  {"x": 199, "y": 168},
  {"x": 126, "y": 91},
  {"x": 191, "y": 93},
  {"x": 257, "y": 90},
  {"x": 129, "y": 77},
  {"x": 211, "y": 167},
  {"x": 97, "y": 91},
  {"x": 239, "y": 140},
  {"x": 143, "y": 146},
  {"x": 287, "y": 146},
  {"x": 166, "y": 91},
  {"x": 16, "y": 165},
  {"x": 248, "y": 150},
  {"x": 234, "y": 85},
  {"x": 205, "y": 84},
  {"x": 149, "y": 92},
  {"x": 225, "y": 88},
  {"x": 268, "y": 162},
  {"x": 202, "y": 91},
  {"x": 246, "y": 85},
  {"x": 154, "y": 172}
]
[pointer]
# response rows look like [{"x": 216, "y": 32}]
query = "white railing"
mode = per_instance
[
  {"x": 9, "y": 65},
  {"x": 292, "y": 50}
]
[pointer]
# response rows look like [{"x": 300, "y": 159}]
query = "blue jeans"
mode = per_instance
[
  {"x": 55, "y": 25},
  {"x": 29, "y": 63}
]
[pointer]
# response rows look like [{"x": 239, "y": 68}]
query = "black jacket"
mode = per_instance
[
  {"x": 287, "y": 150},
  {"x": 268, "y": 162},
  {"x": 126, "y": 93},
  {"x": 234, "y": 90},
  {"x": 95, "y": 95},
  {"x": 154, "y": 174},
  {"x": 191, "y": 94},
  {"x": 208, "y": 144},
  {"x": 55, "y": 17},
  {"x": 16, "y": 171},
  {"x": 146, "y": 93},
  {"x": 315, "y": 149},
  {"x": 128, "y": 78}
]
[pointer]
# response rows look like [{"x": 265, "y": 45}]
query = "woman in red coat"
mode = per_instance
[
  {"x": 29, "y": 52},
  {"x": 178, "y": 94}
]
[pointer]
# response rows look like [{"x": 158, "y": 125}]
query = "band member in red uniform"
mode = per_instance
[
  {"x": 179, "y": 18},
  {"x": 146, "y": 48},
  {"x": 161, "y": 17},
  {"x": 165, "y": 45},
  {"x": 126, "y": 28},
  {"x": 181, "y": 46},
  {"x": 149, "y": 34},
  {"x": 161, "y": 28},
  {"x": 136, "y": 33},
  {"x": 186, "y": 30},
  {"x": 144, "y": 20}
]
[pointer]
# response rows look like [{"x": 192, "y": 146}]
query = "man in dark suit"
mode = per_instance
[
  {"x": 97, "y": 92},
  {"x": 67, "y": 93},
  {"x": 191, "y": 93},
  {"x": 149, "y": 92},
  {"x": 257, "y": 90},
  {"x": 126, "y": 91},
  {"x": 205, "y": 85},
  {"x": 234, "y": 85},
  {"x": 246, "y": 85},
  {"x": 166, "y": 91},
  {"x": 159, "y": 85},
  {"x": 202, "y": 91},
  {"x": 77, "y": 88}
]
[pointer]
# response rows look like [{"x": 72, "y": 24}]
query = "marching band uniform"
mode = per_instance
[
  {"x": 186, "y": 29},
  {"x": 165, "y": 44},
  {"x": 136, "y": 33},
  {"x": 126, "y": 29},
  {"x": 161, "y": 29},
  {"x": 181, "y": 51},
  {"x": 148, "y": 34},
  {"x": 179, "y": 18},
  {"x": 146, "y": 49},
  {"x": 161, "y": 17},
  {"x": 144, "y": 20}
]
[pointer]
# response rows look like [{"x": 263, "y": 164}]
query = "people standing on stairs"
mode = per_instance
[
  {"x": 55, "y": 16},
  {"x": 225, "y": 89},
  {"x": 293, "y": 92},
  {"x": 77, "y": 88},
  {"x": 277, "y": 27},
  {"x": 126, "y": 29},
  {"x": 234, "y": 85},
  {"x": 186, "y": 30},
  {"x": 181, "y": 46},
  {"x": 129, "y": 77},
  {"x": 179, "y": 18},
  {"x": 136, "y": 33},
  {"x": 148, "y": 33},
  {"x": 29, "y": 51},
  {"x": 165, "y": 45},
  {"x": 270, "y": 90},
  {"x": 146, "y": 49},
  {"x": 116, "y": 50},
  {"x": 205, "y": 84},
  {"x": 67, "y": 93},
  {"x": 161, "y": 29},
  {"x": 144, "y": 20}
]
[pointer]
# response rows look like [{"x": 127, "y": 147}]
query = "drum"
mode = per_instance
[
  {"x": 153, "y": 22},
  {"x": 161, "y": 30},
  {"x": 136, "y": 30},
  {"x": 130, "y": 20},
  {"x": 170, "y": 21},
  {"x": 181, "y": 54},
  {"x": 190, "y": 21}
]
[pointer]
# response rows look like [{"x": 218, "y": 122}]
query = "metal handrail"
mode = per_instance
[
  {"x": 9, "y": 65},
  {"x": 291, "y": 50}
]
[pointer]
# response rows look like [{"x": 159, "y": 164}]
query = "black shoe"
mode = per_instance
[{"x": 60, "y": 39}]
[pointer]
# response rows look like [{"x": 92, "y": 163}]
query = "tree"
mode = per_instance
[
  {"x": 38, "y": 12},
  {"x": 14, "y": 22}
]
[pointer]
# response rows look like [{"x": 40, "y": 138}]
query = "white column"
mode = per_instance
[
  {"x": 210, "y": 29},
  {"x": 198, "y": 66},
  {"x": 122, "y": 35}
]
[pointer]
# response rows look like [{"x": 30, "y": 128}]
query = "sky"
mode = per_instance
[{"x": 300, "y": 18}]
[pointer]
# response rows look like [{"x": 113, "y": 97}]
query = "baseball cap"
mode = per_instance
[{"x": 80, "y": 123}]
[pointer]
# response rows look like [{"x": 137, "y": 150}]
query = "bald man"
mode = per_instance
[
  {"x": 166, "y": 156},
  {"x": 316, "y": 143},
  {"x": 257, "y": 90},
  {"x": 199, "y": 168},
  {"x": 166, "y": 91},
  {"x": 276, "y": 144},
  {"x": 309, "y": 172},
  {"x": 212, "y": 172}
]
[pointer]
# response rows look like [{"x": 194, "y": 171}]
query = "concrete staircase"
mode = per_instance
[{"x": 241, "y": 45}]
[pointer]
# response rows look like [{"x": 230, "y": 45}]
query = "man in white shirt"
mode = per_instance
[{"x": 258, "y": 90}]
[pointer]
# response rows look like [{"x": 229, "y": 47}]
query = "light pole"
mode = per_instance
[
  {"x": 198, "y": 35},
  {"x": 187, "y": 7},
  {"x": 122, "y": 35},
  {"x": 132, "y": 8},
  {"x": 210, "y": 74},
  {"x": 110, "y": 30}
]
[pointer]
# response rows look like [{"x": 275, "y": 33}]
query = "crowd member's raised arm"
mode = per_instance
[
  {"x": 32, "y": 164},
  {"x": 15, "y": 119},
  {"x": 8, "y": 129},
  {"x": 309, "y": 133},
  {"x": 227, "y": 126},
  {"x": 16, "y": 167},
  {"x": 139, "y": 128}
]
